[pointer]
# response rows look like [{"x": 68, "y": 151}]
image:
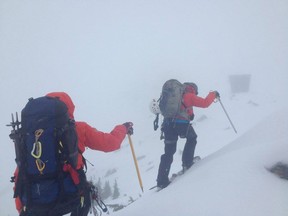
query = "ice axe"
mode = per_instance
[
  {"x": 227, "y": 114},
  {"x": 135, "y": 162}
]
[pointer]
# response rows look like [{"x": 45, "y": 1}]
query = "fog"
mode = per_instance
[{"x": 112, "y": 57}]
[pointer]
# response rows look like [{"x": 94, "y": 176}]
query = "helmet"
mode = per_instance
[
  {"x": 154, "y": 107},
  {"x": 193, "y": 85}
]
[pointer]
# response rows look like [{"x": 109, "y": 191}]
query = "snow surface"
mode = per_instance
[
  {"x": 231, "y": 181},
  {"x": 112, "y": 57}
]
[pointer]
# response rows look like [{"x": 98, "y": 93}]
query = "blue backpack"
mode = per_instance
[{"x": 45, "y": 141}]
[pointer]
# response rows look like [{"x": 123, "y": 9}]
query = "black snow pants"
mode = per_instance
[{"x": 172, "y": 131}]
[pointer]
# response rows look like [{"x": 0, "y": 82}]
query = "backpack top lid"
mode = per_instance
[
  {"x": 40, "y": 112},
  {"x": 63, "y": 96}
]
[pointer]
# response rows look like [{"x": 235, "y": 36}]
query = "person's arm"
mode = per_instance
[
  {"x": 97, "y": 140},
  {"x": 191, "y": 99}
]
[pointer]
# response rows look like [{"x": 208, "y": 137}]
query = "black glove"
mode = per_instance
[
  {"x": 217, "y": 95},
  {"x": 192, "y": 117},
  {"x": 129, "y": 127}
]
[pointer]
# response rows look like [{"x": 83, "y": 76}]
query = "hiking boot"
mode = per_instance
[
  {"x": 185, "y": 168},
  {"x": 281, "y": 170},
  {"x": 161, "y": 186}
]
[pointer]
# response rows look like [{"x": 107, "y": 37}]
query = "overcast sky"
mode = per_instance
[
  {"x": 112, "y": 56},
  {"x": 91, "y": 47}
]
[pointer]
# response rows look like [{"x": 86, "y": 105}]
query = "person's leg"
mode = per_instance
[
  {"x": 189, "y": 148},
  {"x": 165, "y": 164},
  {"x": 170, "y": 142}
]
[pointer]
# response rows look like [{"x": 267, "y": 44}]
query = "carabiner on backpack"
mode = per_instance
[
  {"x": 37, "y": 146},
  {"x": 37, "y": 150},
  {"x": 40, "y": 165}
]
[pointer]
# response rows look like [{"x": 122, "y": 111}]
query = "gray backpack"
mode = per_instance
[{"x": 171, "y": 99}]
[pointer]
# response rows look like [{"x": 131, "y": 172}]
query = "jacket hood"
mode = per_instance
[
  {"x": 191, "y": 87},
  {"x": 64, "y": 97}
]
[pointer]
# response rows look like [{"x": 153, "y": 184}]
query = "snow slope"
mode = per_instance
[{"x": 232, "y": 181}]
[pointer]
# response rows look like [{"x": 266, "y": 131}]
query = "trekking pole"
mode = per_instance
[
  {"x": 227, "y": 115},
  {"x": 135, "y": 162}
]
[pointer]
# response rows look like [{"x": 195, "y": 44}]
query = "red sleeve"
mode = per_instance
[
  {"x": 18, "y": 202},
  {"x": 97, "y": 140},
  {"x": 191, "y": 99}
]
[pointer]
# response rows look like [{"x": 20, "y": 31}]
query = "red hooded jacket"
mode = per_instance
[
  {"x": 89, "y": 136},
  {"x": 190, "y": 99}
]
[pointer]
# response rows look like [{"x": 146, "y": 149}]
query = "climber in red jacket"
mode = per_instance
[
  {"x": 87, "y": 137},
  {"x": 180, "y": 127}
]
